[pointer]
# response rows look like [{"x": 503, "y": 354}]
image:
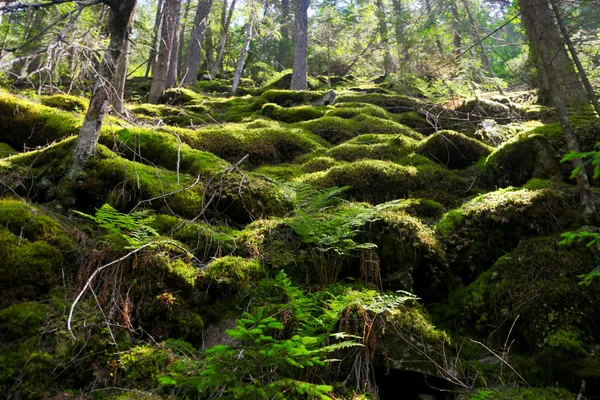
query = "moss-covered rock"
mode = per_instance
[
  {"x": 452, "y": 149},
  {"x": 65, "y": 102},
  {"x": 532, "y": 295},
  {"x": 486, "y": 108},
  {"x": 282, "y": 172},
  {"x": 291, "y": 114},
  {"x": 487, "y": 227},
  {"x": 521, "y": 159},
  {"x": 336, "y": 130},
  {"x": 178, "y": 96},
  {"x": 21, "y": 320},
  {"x": 351, "y": 110},
  {"x": 391, "y": 103},
  {"x": 286, "y": 98},
  {"x": 6, "y": 150},
  {"x": 416, "y": 121},
  {"x": 373, "y": 146},
  {"x": 318, "y": 164},
  {"x": 26, "y": 124},
  {"x": 522, "y": 393},
  {"x": 233, "y": 272}
]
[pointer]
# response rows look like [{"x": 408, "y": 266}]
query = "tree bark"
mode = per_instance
[
  {"x": 399, "y": 25},
  {"x": 174, "y": 61},
  {"x": 210, "y": 48},
  {"x": 192, "y": 58},
  {"x": 284, "y": 42},
  {"x": 181, "y": 40},
  {"x": 300, "y": 64},
  {"x": 118, "y": 92},
  {"x": 388, "y": 63},
  {"x": 546, "y": 44},
  {"x": 456, "y": 39},
  {"x": 225, "y": 22},
  {"x": 153, "y": 49},
  {"x": 584, "y": 78},
  {"x": 247, "y": 40},
  {"x": 167, "y": 39},
  {"x": 120, "y": 26}
]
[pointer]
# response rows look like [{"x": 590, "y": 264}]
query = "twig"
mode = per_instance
[
  {"x": 166, "y": 194},
  {"x": 501, "y": 359}
]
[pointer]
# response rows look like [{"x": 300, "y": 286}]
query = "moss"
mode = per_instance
[
  {"x": 286, "y": 98},
  {"x": 452, "y": 149},
  {"x": 154, "y": 110},
  {"x": 336, "y": 130},
  {"x": 380, "y": 181},
  {"x": 351, "y": 110},
  {"x": 483, "y": 229},
  {"x": 233, "y": 272},
  {"x": 21, "y": 320},
  {"x": 416, "y": 121},
  {"x": 282, "y": 172},
  {"x": 425, "y": 209},
  {"x": 522, "y": 394},
  {"x": 178, "y": 96},
  {"x": 319, "y": 164},
  {"x": 291, "y": 114},
  {"x": 263, "y": 145},
  {"x": 160, "y": 148},
  {"x": 65, "y": 102},
  {"x": 485, "y": 107},
  {"x": 524, "y": 293},
  {"x": 230, "y": 110},
  {"x": 391, "y": 103},
  {"x": 521, "y": 159},
  {"x": 6, "y": 150},
  {"x": 27, "y": 124},
  {"x": 373, "y": 146}
]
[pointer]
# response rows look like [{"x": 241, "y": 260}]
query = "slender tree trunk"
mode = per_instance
[
  {"x": 388, "y": 63},
  {"x": 546, "y": 43},
  {"x": 120, "y": 25},
  {"x": 456, "y": 39},
  {"x": 157, "y": 28},
  {"x": 192, "y": 59},
  {"x": 575, "y": 57},
  {"x": 210, "y": 48},
  {"x": 399, "y": 25},
  {"x": 174, "y": 61},
  {"x": 118, "y": 94},
  {"x": 300, "y": 64},
  {"x": 167, "y": 39},
  {"x": 284, "y": 42},
  {"x": 247, "y": 40},
  {"x": 225, "y": 22},
  {"x": 180, "y": 59}
]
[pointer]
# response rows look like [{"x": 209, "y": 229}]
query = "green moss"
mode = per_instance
[
  {"x": 27, "y": 124},
  {"x": 160, "y": 148},
  {"x": 522, "y": 394},
  {"x": 65, "y": 102},
  {"x": 533, "y": 292},
  {"x": 286, "y": 98},
  {"x": 291, "y": 114},
  {"x": 233, "y": 272},
  {"x": 263, "y": 145},
  {"x": 22, "y": 320},
  {"x": 452, "y": 149},
  {"x": 485, "y": 107},
  {"x": 373, "y": 146},
  {"x": 179, "y": 96},
  {"x": 414, "y": 120},
  {"x": 351, "y": 110},
  {"x": 421, "y": 208},
  {"x": 282, "y": 172},
  {"x": 6, "y": 150},
  {"x": 336, "y": 130},
  {"x": 154, "y": 110},
  {"x": 319, "y": 164},
  {"x": 522, "y": 158},
  {"x": 391, "y": 103},
  {"x": 379, "y": 181},
  {"x": 485, "y": 228}
]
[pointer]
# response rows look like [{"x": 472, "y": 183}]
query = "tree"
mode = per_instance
[
  {"x": 248, "y": 38},
  {"x": 300, "y": 64},
  {"x": 225, "y": 22},
  {"x": 119, "y": 26},
  {"x": 167, "y": 45},
  {"x": 192, "y": 58}
]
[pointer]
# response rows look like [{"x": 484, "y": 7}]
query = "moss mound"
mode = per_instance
[
  {"x": 536, "y": 287},
  {"x": 336, "y": 130},
  {"x": 291, "y": 114},
  {"x": 521, "y": 159},
  {"x": 27, "y": 124},
  {"x": 389, "y": 102},
  {"x": 179, "y": 96},
  {"x": 452, "y": 149},
  {"x": 487, "y": 227},
  {"x": 6, "y": 150},
  {"x": 65, "y": 102},
  {"x": 351, "y": 110},
  {"x": 373, "y": 146},
  {"x": 264, "y": 145},
  {"x": 380, "y": 181},
  {"x": 286, "y": 98},
  {"x": 319, "y": 164}
]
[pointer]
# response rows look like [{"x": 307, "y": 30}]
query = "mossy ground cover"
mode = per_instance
[{"x": 483, "y": 256}]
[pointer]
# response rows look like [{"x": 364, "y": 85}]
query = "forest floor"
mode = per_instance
[{"x": 418, "y": 245}]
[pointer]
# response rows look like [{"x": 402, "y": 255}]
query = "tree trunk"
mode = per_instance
[
  {"x": 546, "y": 44},
  {"x": 456, "y": 39},
  {"x": 284, "y": 42},
  {"x": 225, "y": 22},
  {"x": 300, "y": 64},
  {"x": 247, "y": 40},
  {"x": 210, "y": 48},
  {"x": 120, "y": 25},
  {"x": 584, "y": 78},
  {"x": 541, "y": 24},
  {"x": 388, "y": 63},
  {"x": 181, "y": 40},
  {"x": 399, "y": 25},
  {"x": 174, "y": 61},
  {"x": 167, "y": 39},
  {"x": 118, "y": 92},
  {"x": 192, "y": 58},
  {"x": 153, "y": 49},
  {"x": 431, "y": 22}
]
